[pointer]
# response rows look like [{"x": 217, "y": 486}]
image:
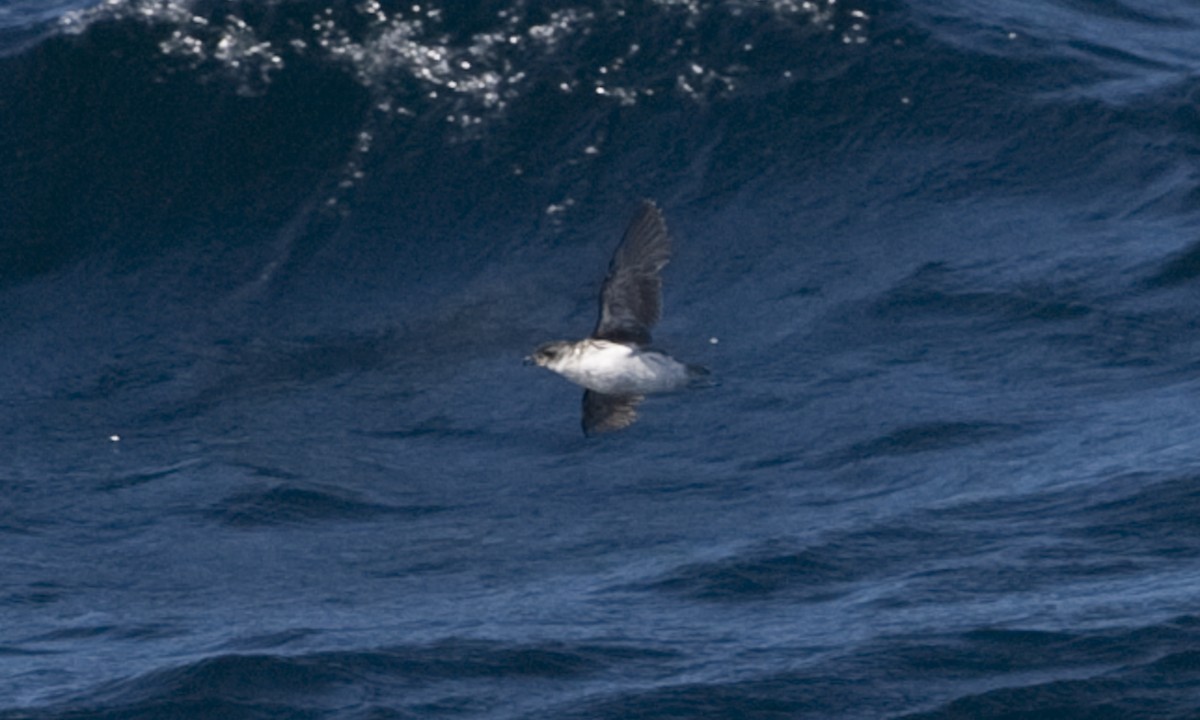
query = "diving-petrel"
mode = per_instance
[{"x": 615, "y": 365}]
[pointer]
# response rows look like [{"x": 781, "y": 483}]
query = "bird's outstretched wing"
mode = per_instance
[
  {"x": 631, "y": 300},
  {"x": 605, "y": 413}
]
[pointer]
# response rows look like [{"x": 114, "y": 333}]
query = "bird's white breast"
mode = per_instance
[{"x": 618, "y": 369}]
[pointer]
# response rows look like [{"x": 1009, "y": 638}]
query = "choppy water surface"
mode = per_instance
[{"x": 268, "y": 272}]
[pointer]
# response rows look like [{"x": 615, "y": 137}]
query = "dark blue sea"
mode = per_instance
[{"x": 269, "y": 269}]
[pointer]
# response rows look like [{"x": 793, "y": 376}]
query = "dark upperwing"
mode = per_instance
[{"x": 631, "y": 299}]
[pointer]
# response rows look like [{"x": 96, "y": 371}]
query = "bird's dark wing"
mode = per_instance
[
  {"x": 604, "y": 413},
  {"x": 631, "y": 300}
]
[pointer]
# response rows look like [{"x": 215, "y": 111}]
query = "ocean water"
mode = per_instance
[{"x": 268, "y": 271}]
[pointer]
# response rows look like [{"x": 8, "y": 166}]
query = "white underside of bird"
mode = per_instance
[{"x": 619, "y": 369}]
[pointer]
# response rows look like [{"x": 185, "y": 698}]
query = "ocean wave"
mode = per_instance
[{"x": 426, "y": 679}]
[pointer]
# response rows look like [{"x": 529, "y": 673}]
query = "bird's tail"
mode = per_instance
[{"x": 700, "y": 377}]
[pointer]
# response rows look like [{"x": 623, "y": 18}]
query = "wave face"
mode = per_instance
[{"x": 268, "y": 271}]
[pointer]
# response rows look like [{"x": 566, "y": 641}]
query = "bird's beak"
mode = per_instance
[{"x": 528, "y": 360}]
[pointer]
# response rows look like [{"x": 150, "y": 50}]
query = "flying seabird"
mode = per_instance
[{"x": 616, "y": 366}]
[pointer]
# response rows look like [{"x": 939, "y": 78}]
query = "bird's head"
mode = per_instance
[{"x": 547, "y": 354}]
